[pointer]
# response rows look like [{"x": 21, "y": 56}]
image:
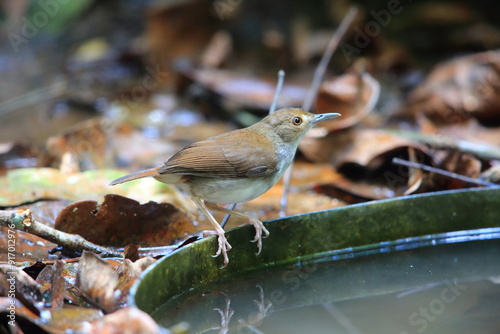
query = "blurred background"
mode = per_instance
[
  {"x": 91, "y": 90},
  {"x": 91, "y": 84}
]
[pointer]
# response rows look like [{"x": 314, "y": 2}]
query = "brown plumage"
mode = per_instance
[{"x": 236, "y": 166}]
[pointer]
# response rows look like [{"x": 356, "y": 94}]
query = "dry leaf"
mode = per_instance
[
  {"x": 416, "y": 174},
  {"x": 176, "y": 30},
  {"x": 455, "y": 162},
  {"x": 128, "y": 272},
  {"x": 26, "y": 289},
  {"x": 460, "y": 88},
  {"x": 69, "y": 273},
  {"x": 58, "y": 285},
  {"x": 131, "y": 252},
  {"x": 120, "y": 221},
  {"x": 129, "y": 320},
  {"x": 372, "y": 149},
  {"x": 97, "y": 280},
  {"x": 248, "y": 91},
  {"x": 353, "y": 95},
  {"x": 81, "y": 147},
  {"x": 23, "y": 321}
]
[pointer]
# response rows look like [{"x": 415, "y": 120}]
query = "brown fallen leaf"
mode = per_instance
[
  {"x": 33, "y": 248},
  {"x": 372, "y": 149},
  {"x": 96, "y": 281},
  {"x": 69, "y": 272},
  {"x": 460, "y": 88},
  {"x": 83, "y": 145},
  {"x": 22, "y": 319},
  {"x": 120, "y": 221},
  {"x": 129, "y": 320},
  {"x": 416, "y": 175},
  {"x": 356, "y": 191},
  {"x": 353, "y": 95},
  {"x": 455, "y": 162},
  {"x": 364, "y": 158},
  {"x": 58, "y": 285},
  {"x": 16, "y": 283},
  {"x": 470, "y": 130},
  {"x": 131, "y": 252},
  {"x": 245, "y": 90},
  {"x": 177, "y": 30},
  {"x": 128, "y": 272}
]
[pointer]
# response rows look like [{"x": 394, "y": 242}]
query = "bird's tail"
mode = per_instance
[{"x": 137, "y": 175}]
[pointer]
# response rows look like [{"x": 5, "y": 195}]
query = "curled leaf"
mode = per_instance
[{"x": 120, "y": 221}]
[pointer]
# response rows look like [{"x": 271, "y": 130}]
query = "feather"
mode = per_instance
[{"x": 228, "y": 155}]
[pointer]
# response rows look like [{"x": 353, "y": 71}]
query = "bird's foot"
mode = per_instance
[
  {"x": 259, "y": 229},
  {"x": 224, "y": 245}
]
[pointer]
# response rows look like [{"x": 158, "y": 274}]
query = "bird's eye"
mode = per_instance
[{"x": 296, "y": 120}]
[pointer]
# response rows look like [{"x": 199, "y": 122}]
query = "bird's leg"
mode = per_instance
[
  {"x": 224, "y": 245},
  {"x": 259, "y": 227}
]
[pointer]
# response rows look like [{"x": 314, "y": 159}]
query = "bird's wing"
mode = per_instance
[{"x": 240, "y": 153}]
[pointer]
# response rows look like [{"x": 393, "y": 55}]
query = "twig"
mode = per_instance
[
  {"x": 452, "y": 175},
  {"x": 327, "y": 56},
  {"x": 277, "y": 93},
  {"x": 23, "y": 221},
  {"x": 313, "y": 91},
  {"x": 32, "y": 97}
]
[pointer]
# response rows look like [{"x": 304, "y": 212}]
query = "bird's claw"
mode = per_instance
[
  {"x": 259, "y": 229},
  {"x": 224, "y": 245}
]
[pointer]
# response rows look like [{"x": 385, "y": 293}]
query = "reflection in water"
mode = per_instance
[
  {"x": 225, "y": 316},
  {"x": 255, "y": 319},
  {"x": 449, "y": 288}
]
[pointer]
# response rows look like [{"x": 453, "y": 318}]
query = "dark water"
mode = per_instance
[{"x": 447, "y": 288}]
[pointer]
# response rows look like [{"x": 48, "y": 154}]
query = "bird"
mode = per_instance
[{"x": 236, "y": 166}]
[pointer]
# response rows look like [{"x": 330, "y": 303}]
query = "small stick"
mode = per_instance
[
  {"x": 327, "y": 56},
  {"x": 452, "y": 175},
  {"x": 313, "y": 90},
  {"x": 23, "y": 221},
  {"x": 277, "y": 93},
  {"x": 32, "y": 97}
]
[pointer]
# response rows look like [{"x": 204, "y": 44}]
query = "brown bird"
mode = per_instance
[{"x": 236, "y": 166}]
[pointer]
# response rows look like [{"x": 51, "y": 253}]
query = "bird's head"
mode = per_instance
[{"x": 291, "y": 124}]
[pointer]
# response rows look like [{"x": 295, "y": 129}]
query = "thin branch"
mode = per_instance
[
  {"x": 23, "y": 221},
  {"x": 32, "y": 97},
  {"x": 452, "y": 175},
  {"x": 327, "y": 56},
  {"x": 277, "y": 93},
  {"x": 313, "y": 91}
]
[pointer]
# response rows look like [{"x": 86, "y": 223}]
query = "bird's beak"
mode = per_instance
[{"x": 325, "y": 117}]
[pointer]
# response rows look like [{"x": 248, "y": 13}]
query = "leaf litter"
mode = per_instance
[{"x": 196, "y": 80}]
